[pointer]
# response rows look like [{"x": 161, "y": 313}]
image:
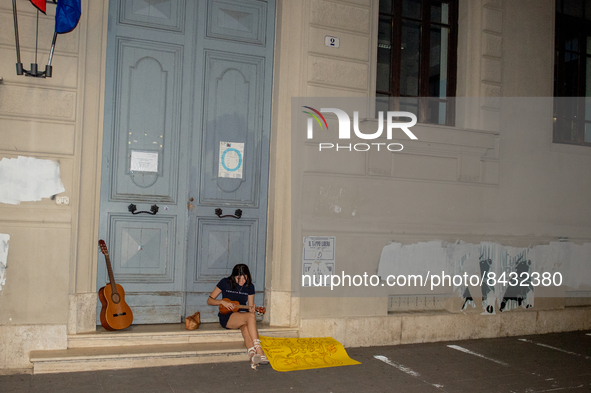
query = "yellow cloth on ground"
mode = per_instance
[{"x": 290, "y": 354}]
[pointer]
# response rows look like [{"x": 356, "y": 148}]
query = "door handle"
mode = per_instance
[
  {"x": 237, "y": 214},
  {"x": 132, "y": 209}
]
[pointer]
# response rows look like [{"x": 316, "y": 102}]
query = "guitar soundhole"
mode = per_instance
[
  {"x": 120, "y": 314},
  {"x": 115, "y": 297}
]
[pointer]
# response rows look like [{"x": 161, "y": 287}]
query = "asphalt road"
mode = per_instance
[{"x": 544, "y": 363}]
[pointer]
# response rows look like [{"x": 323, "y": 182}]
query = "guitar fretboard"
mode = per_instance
[{"x": 105, "y": 252}]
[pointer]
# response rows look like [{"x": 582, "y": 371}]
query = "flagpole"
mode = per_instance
[
  {"x": 36, "y": 36},
  {"x": 48, "y": 68},
  {"x": 33, "y": 71},
  {"x": 19, "y": 65}
]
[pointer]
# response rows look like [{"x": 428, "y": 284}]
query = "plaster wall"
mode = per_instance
[
  {"x": 495, "y": 176},
  {"x": 16, "y": 341},
  {"x": 51, "y": 273},
  {"x": 410, "y": 328}
]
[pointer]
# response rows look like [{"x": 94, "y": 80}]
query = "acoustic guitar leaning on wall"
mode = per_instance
[{"x": 115, "y": 313}]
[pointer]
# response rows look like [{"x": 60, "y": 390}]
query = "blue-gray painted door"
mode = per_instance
[{"x": 186, "y": 81}]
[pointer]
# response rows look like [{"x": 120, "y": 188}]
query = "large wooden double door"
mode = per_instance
[{"x": 187, "y": 124}]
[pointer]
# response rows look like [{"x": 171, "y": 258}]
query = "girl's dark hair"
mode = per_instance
[{"x": 240, "y": 270}]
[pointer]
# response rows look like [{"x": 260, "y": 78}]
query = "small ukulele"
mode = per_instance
[
  {"x": 115, "y": 313},
  {"x": 238, "y": 307}
]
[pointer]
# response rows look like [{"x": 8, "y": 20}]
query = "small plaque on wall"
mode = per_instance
[
  {"x": 333, "y": 42},
  {"x": 318, "y": 260}
]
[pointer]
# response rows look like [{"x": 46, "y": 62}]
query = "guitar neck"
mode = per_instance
[
  {"x": 111, "y": 276},
  {"x": 105, "y": 252},
  {"x": 260, "y": 310}
]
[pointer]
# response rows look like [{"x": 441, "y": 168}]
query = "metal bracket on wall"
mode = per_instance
[{"x": 132, "y": 209}]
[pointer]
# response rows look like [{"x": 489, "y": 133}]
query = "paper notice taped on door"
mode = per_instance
[
  {"x": 144, "y": 161},
  {"x": 231, "y": 160}
]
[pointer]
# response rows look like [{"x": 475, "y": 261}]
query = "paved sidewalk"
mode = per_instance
[{"x": 545, "y": 363}]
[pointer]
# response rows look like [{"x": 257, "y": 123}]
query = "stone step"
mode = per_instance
[
  {"x": 121, "y": 357},
  {"x": 149, "y": 346},
  {"x": 169, "y": 334}
]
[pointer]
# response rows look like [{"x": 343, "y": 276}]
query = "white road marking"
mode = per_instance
[
  {"x": 404, "y": 369},
  {"x": 553, "y": 390},
  {"x": 456, "y": 347},
  {"x": 555, "y": 348},
  {"x": 400, "y": 367}
]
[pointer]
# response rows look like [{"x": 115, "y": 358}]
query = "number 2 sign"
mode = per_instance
[{"x": 331, "y": 41}]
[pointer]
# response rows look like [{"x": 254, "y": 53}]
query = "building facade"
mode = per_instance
[{"x": 495, "y": 175}]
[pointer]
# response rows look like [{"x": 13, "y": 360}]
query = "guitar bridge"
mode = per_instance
[{"x": 120, "y": 314}]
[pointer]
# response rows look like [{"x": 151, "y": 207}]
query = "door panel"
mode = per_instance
[
  {"x": 147, "y": 121},
  {"x": 165, "y": 15},
  {"x": 222, "y": 245},
  {"x": 234, "y": 88},
  {"x": 144, "y": 250},
  {"x": 243, "y": 21}
]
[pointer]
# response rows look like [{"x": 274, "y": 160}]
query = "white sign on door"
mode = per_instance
[
  {"x": 144, "y": 161},
  {"x": 231, "y": 160}
]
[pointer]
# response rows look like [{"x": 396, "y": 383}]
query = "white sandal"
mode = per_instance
[
  {"x": 255, "y": 358},
  {"x": 263, "y": 358}
]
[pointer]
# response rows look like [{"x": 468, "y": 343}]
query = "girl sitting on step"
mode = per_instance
[{"x": 239, "y": 287}]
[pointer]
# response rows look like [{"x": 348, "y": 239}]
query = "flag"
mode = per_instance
[
  {"x": 67, "y": 15},
  {"x": 40, "y": 4}
]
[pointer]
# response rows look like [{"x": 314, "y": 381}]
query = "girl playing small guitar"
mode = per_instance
[{"x": 239, "y": 287}]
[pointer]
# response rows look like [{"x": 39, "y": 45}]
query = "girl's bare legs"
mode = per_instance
[
  {"x": 247, "y": 339},
  {"x": 246, "y": 322}
]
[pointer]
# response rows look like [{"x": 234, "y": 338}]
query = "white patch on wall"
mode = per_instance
[
  {"x": 3, "y": 257},
  {"x": 560, "y": 262},
  {"x": 26, "y": 179}
]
